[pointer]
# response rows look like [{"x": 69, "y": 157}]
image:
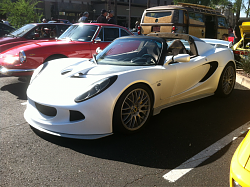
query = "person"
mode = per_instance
[
  {"x": 236, "y": 32},
  {"x": 84, "y": 17},
  {"x": 136, "y": 25},
  {"x": 225, "y": 37},
  {"x": 110, "y": 17},
  {"x": 6, "y": 22},
  {"x": 44, "y": 20},
  {"x": 230, "y": 30},
  {"x": 102, "y": 17}
]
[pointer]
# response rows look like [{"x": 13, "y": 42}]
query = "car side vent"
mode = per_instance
[
  {"x": 46, "y": 110},
  {"x": 75, "y": 115},
  {"x": 65, "y": 71},
  {"x": 213, "y": 67}
]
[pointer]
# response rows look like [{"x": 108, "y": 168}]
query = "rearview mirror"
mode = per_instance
[
  {"x": 177, "y": 58},
  {"x": 182, "y": 58}
]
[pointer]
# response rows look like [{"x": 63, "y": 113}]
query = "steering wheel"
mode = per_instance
[{"x": 149, "y": 56}]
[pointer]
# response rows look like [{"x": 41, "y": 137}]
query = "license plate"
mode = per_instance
[{"x": 156, "y": 28}]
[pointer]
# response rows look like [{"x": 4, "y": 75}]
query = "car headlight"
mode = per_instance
[
  {"x": 38, "y": 71},
  {"x": 96, "y": 88},
  {"x": 22, "y": 57},
  {"x": 10, "y": 59}
]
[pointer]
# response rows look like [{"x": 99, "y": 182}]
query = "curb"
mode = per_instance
[{"x": 244, "y": 81}]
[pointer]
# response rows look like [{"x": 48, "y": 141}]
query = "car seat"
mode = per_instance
[{"x": 176, "y": 48}]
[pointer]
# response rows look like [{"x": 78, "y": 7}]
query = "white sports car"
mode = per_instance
[{"x": 130, "y": 80}]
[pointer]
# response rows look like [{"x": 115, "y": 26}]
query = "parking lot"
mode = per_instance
[{"x": 177, "y": 134}]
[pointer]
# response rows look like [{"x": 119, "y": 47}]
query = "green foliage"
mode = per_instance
[
  {"x": 245, "y": 63},
  {"x": 20, "y": 12}
]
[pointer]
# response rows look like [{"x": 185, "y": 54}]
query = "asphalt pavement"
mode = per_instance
[{"x": 32, "y": 158}]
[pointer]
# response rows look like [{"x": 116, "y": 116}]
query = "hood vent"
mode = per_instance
[{"x": 65, "y": 71}]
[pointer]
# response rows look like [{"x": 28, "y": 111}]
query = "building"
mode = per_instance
[{"x": 70, "y": 9}]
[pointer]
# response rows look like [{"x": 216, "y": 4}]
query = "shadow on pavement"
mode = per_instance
[
  {"x": 18, "y": 89},
  {"x": 172, "y": 137}
]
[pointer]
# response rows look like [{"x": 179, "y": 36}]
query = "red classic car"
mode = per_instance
[
  {"x": 31, "y": 32},
  {"x": 79, "y": 40}
]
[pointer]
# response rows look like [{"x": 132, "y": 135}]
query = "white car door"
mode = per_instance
[{"x": 189, "y": 74}]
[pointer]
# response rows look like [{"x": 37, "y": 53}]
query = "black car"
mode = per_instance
[{"x": 5, "y": 29}]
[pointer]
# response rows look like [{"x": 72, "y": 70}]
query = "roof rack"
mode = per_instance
[
  {"x": 194, "y": 5},
  {"x": 200, "y": 8}
]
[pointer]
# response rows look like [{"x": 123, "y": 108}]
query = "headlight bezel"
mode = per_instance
[
  {"x": 22, "y": 56},
  {"x": 96, "y": 88}
]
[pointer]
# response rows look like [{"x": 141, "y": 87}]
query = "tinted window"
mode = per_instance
[
  {"x": 124, "y": 33},
  {"x": 79, "y": 32},
  {"x": 197, "y": 17},
  {"x": 110, "y": 34},
  {"x": 23, "y": 30},
  {"x": 43, "y": 31},
  {"x": 222, "y": 22},
  {"x": 158, "y": 14}
]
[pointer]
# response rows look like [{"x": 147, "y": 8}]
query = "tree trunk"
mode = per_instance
[
  {"x": 248, "y": 9},
  {"x": 238, "y": 8}
]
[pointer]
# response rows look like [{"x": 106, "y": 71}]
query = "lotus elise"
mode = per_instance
[{"x": 120, "y": 88}]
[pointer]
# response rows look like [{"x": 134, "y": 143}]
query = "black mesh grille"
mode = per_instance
[
  {"x": 46, "y": 110},
  {"x": 76, "y": 115}
]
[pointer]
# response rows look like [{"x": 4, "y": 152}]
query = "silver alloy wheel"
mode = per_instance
[
  {"x": 135, "y": 109},
  {"x": 228, "y": 80}
]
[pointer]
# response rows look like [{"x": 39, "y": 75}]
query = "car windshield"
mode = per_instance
[
  {"x": 142, "y": 52},
  {"x": 22, "y": 31},
  {"x": 79, "y": 32}
]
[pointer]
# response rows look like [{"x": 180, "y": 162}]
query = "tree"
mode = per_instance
[
  {"x": 20, "y": 12},
  {"x": 237, "y": 9}
]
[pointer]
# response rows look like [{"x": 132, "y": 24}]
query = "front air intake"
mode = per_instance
[
  {"x": 76, "y": 115},
  {"x": 46, "y": 110}
]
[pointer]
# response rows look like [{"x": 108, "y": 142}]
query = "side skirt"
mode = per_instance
[{"x": 158, "y": 109}]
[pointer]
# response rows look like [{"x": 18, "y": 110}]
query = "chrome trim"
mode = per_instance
[{"x": 6, "y": 71}]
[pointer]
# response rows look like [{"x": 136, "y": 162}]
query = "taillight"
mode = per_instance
[
  {"x": 139, "y": 30},
  {"x": 173, "y": 29},
  {"x": 241, "y": 52}
]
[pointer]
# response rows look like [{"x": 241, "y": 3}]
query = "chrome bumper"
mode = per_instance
[{"x": 6, "y": 71}]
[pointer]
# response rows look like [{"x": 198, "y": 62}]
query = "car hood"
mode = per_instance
[
  {"x": 4, "y": 40},
  {"x": 244, "y": 154},
  {"x": 65, "y": 79},
  {"x": 245, "y": 29},
  {"x": 33, "y": 45}
]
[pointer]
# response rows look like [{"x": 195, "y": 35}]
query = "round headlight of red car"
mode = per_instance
[{"x": 22, "y": 57}]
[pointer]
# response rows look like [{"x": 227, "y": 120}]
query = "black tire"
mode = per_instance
[
  {"x": 227, "y": 81},
  {"x": 133, "y": 109}
]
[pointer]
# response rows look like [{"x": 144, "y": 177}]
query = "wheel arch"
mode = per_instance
[
  {"x": 138, "y": 83},
  {"x": 55, "y": 56}
]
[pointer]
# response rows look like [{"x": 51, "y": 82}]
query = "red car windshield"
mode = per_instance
[
  {"x": 22, "y": 31},
  {"x": 79, "y": 33}
]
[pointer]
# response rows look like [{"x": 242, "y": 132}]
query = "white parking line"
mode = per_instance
[{"x": 190, "y": 164}]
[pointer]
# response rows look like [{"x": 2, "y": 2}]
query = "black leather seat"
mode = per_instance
[{"x": 176, "y": 48}]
